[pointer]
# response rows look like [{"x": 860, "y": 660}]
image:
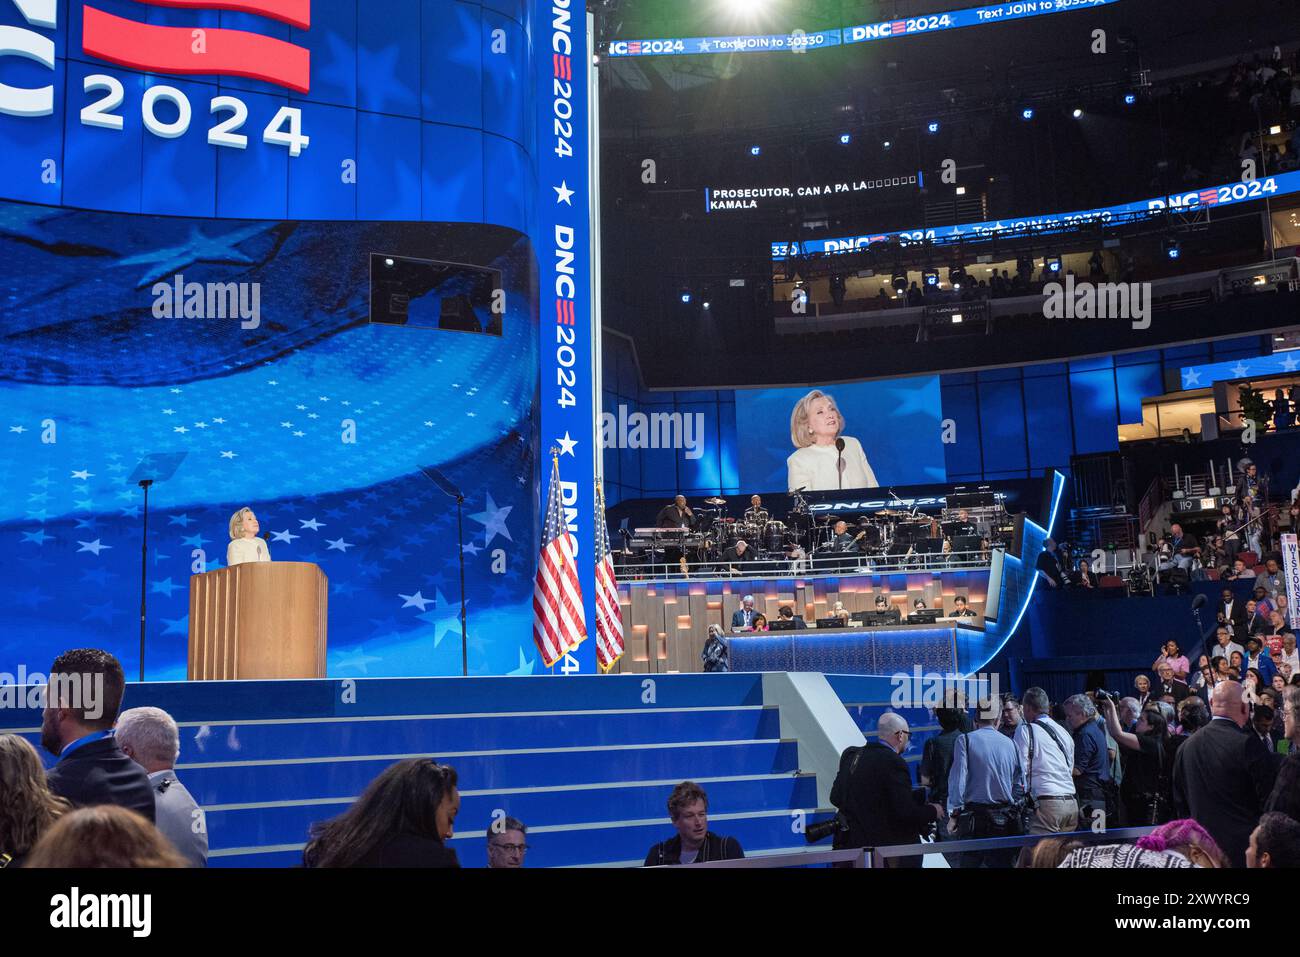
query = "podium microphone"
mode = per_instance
[{"x": 839, "y": 460}]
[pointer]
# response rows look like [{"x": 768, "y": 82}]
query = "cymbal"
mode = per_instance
[{"x": 715, "y": 501}]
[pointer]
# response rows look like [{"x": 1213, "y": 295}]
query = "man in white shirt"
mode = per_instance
[
  {"x": 1224, "y": 645},
  {"x": 1047, "y": 753}
]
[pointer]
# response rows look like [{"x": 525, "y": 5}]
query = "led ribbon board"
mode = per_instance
[
  {"x": 725, "y": 198},
  {"x": 801, "y": 40},
  {"x": 1227, "y": 195}
]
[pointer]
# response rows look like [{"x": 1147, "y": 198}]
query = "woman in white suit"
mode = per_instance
[
  {"x": 815, "y": 425},
  {"x": 244, "y": 545}
]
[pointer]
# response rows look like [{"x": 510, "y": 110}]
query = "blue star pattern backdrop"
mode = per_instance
[{"x": 91, "y": 382}]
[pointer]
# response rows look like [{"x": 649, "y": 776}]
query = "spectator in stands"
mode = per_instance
[
  {"x": 1047, "y": 754},
  {"x": 1257, "y": 658},
  {"x": 1049, "y": 852},
  {"x": 28, "y": 809},
  {"x": 1168, "y": 686},
  {"x": 1218, "y": 781},
  {"x": 1185, "y": 549},
  {"x": 877, "y": 798},
  {"x": 1083, "y": 576},
  {"x": 760, "y": 622},
  {"x": 936, "y": 757},
  {"x": 1174, "y": 658},
  {"x": 1270, "y": 579},
  {"x": 1222, "y": 670},
  {"x": 1290, "y": 657},
  {"x": 1128, "y": 711},
  {"x": 983, "y": 785},
  {"x": 1233, "y": 610},
  {"x": 402, "y": 819},
  {"x": 104, "y": 836},
  {"x": 688, "y": 809},
  {"x": 1145, "y": 788},
  {"x": 1257, "y": 622},
  {"x": 1121, "y": 856},
  {"x": 1142, "y": 687},
  {"x": 1239, "y": 571},
  {"x": 1187, "y": 839},
  {"x": 1049, "y": 565},
  {"x": 82, "y": 701},
  {"x": 1278, "y": 626},
  {"x": 1010, "y": 718},
  {"x": 507, "y": 842},
  {"x": 1285, "y": 796},
  {"x": 1275, "y": 842},
  {"x": 1224, "y": 646},
  {"x": 1236, "y": 667},
  {"x": 1092, "y": 777},
  {"x": 1203, "y": 681},
  {"x": 1193, "y": 714},
  {"x": 150, "y": 738}
]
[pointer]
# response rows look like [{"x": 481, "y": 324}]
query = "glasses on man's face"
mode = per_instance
[{"x": 511, "y": 848}]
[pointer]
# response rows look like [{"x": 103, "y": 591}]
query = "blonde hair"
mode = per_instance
[
  {"x": 800, "y": 434},
  {"x": 237, "y": 522}
]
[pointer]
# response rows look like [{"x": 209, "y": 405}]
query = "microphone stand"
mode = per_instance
[{"x": 144, "y": 566}]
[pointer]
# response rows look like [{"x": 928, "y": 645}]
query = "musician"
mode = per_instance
[
  {"x": 960, "y": 610},
  {"x": 843, "y": 540},
  {"x": 824, "y": 459},
  {"x": 737, "y": 554},
  {"x": 756, "y": 514},
  {"x": 963, "y": 525},
  {"x": 676, "y": 515}
]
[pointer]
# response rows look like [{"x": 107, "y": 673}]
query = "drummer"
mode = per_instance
[{"x": 756, "y": 514}]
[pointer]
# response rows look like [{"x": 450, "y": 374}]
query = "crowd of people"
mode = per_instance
[{"x": 113, "y": 798}]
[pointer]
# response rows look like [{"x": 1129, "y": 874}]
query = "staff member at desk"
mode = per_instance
[
  {"x": 244, "y": 545},
  {"x": 743, "y": 617},
  {"x": 823, "y": 459},
  {"x": 883, "y": 608},
  {"x": 960, "y": 610}
]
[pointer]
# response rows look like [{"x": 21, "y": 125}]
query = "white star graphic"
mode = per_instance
[
  {"x": 1240, "y": 369},
  {"x": 229, "y": 455},
  {"x": 339, "y": 544},
  {"x": 286, "y": 536},
  {"x": 472, "y": 549},
  {"x": 17, "y": 428},
  {"x": 311, "y": 523},
  {"x": 82, "y": 474},
  {"x": 414, "y": 601},
  {"x": 93, "y": 547},
  {"x": 1190, "y": 378},
  {"x": 493, "y": 521},
  {"x": 1290, "y": 364},
  {"x": 567, "y": 444},
  {"x": 563, "y": 194}
]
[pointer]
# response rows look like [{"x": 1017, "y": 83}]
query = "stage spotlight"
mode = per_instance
[
  {"x": 1027, "y": 113},
  {"x": 961, "y": 190},
  {"x": 933, "y": 127},
  {"x": 845, "y": 139},
  {"x": 1274, "y": 130},
  {"x": 755, "y": 150},
  {"x": 706, "y": 304},
  {"x": 899, "y": 280},
  {"x": 887, "y": 144},
  {"x": 1173, "y": 249},
  {"x": 388, "y": 262},
  {"x": 1130, "y": 99},
  {"x": 1077, "y": 112}
]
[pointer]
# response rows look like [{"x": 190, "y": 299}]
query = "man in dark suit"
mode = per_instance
[
  {"x": 874, "y": 790},
  {"x": 1219, "y": 780},
  {"x": 81, "y": 705},
  {"x": 786, "y": 613},
  {"x": 743, "y": 617},
  {"x": 1233, "y": 611},
  {"x": 1169, "y": 685}
]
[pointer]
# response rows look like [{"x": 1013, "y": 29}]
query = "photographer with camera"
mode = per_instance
[
  {"x": 1146, "y": 790},
  {"x": 984, "y": 790},
  {"x": 1046, "y": 753}
]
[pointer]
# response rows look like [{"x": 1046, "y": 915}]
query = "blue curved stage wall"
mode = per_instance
[{"x": 426, "y": 137}]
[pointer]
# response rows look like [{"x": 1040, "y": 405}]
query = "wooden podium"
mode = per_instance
[{"x": 258, "y": 620}]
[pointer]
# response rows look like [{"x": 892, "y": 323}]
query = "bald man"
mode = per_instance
[
  {"x": 874, "y": 789},
  {"x": 1219, "y": 780}
]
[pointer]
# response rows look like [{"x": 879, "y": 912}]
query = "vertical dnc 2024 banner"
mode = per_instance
[
  {"x": 271, "y": 113},
  {"x": 563, "y": 245}
]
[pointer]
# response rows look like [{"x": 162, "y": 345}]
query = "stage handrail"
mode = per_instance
[{"x": 878, "y": 855}]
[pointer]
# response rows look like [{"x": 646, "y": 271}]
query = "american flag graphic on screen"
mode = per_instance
[
  {"x": 609, "y": 616},
  {"x": 558, "y": 625}
]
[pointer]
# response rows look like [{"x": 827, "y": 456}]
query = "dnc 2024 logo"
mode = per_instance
[{"x": 177, "y": 51}]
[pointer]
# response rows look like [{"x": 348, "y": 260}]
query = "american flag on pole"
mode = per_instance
[
  {"x": 609, "y": 616},
  {"x": 558, "y": 625}
]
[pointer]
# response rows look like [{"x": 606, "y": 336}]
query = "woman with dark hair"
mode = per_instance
[
  {"x": 937, "y": 755},
  {"x": 1146, "y": 793},
  {"x": 401, "y": 820},
  {"x": 104, "y": 835},
  {"x": 28, "y": 809},
  {"x": 760, "y": 622}
]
